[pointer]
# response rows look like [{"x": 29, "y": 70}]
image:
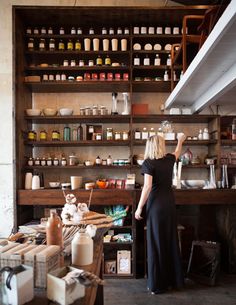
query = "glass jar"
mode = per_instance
[
  {"x": 79, "y": 31},
  {"x": 104, "y": 31},
  {"x": 107, "y": 61},
  {"x": 73, "y": 31},
  {"x": 30, "y": 161},
  {"x": 95, "y": 110},
  {"x": 82, "y": 111},
  {"x": 66, "y": 133},
  {"x": 72, "y": 160},
  {"x": 125, "y": 135},
  {"x": 74, "y": 133},
  {"x": 42, "y": 44},
  {"x": 91, "y": 62},
  {"x": 70, "y": 45},
  {"x": 50, "y": 31},
  {"x": 28, "y": 31},
  {"x": 43, "y": 31},
  {"x": 31, "y": 44},
  {"x": 52, "y": 44},
  {"x": 126, "y": 32},
  {"x": 65, "y": 63},
  {"x": 37, "y": 162},
  {"x": 55, "y": 161},
  {"x": 91, "y": 31},
  {"x": 109, "y": 133},
  {"x": 36, "y": 31},
  {"x": 43, "y": 135},
  {"x": 98, "y": 136},
  {"x": 144, "y": 133},
  {"x": 43, "y": 162},
  {"x": 99, "y": 61},
  {"x": 119, "y": 31},
  {"x": 104, "y": 162},
  {"x": 49, "y": 161},
  {"x": 72, "y": 63},
  {"x": 117, "y": 135},
  {"x": 55, "y": 135},
  {"x": 87, "y": 111},
  {"x": 61, "y": 45},
  {"x": 80, "y": 133},
  {"x": 103, "y": 110},
  {"x": 61, "y": 31},
  {"x": 109, "y": 160},
  {"x": 137, "y": 134},
  {"x": 111, "y": 31},
  {"x": 81, "y": 63},
  {"x": 63, "y": 161},
  {"x": 77, "y": 45},
  {"x": 98, "y": 161}
]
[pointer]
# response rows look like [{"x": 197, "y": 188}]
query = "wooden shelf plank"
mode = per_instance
[
  {"x": 78, "y": 143},
  {"x": 80, "y": 167},
  {"x": 187, "y": 142},
  {"x": 158, "y": 118}
]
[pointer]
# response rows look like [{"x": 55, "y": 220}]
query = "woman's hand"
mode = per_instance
[
  {"x": 181, "y": 137},
  {"x": 138, "y": 213}
]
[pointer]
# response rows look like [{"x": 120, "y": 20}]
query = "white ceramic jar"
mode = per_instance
[{"x": 82, "y": 249}]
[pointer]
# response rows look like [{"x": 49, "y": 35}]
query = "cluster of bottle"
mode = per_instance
[
  {"x": 116, "y": 135},
  {"x": 69, "y": 134},
  {"x": 165, "y": 77},
  {"x": 78, "y": 31},
  {"x": 158, "y": 30},
  {"x": 38, "y": 161},
  {"x": 147, "y": 61},
  {"x": 144, "y": 134},
  {"x": 86, "y": 77}
]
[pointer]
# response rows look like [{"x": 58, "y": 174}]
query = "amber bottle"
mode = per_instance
[{"x": 54, "y": 230}]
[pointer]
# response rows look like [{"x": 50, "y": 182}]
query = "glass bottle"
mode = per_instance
[
  {"x": 144, "y": 133},
  {"x": 107, "y": 61},
  {"x": 61, "y": 31},
  {"x": 168, "y": 61},
  {"x": 70, "y": 45},
  {"x": 54, "y": 230},
  {"x": 42, "y": 44},
  {"x": 73, "y": 30},
  {"x": 43, "y": 31},
  {"x": 166, "y": 76},
  {"x": 109, "y": 133},
  {"x": 104, "y": 31},
  {"x": 66, "y": 133},
  {"x": 146, "y": 61},
  {"x": 50, "y": 31},
  {"x": 157, "y": 60},
  {"x": 80, "y": 135},
  {"x": 61, "y": 45},
  {"x": 136, "y": 61},
  {"x": 74, "y": 133},
  {"x": 137, "y": 134},
  {"x": 52, "y": 44},
  {"x": 79, "y": 31},
  {"x": 77, "y": 45},
  {"x": 98, "y": 161},
  {"x": 109, "y": 160},
  {"x": 99, "y": 61},
  {"x": 31, "y": 44},
  {"x": 91, "y": 31}
]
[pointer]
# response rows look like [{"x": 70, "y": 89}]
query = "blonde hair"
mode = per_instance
[{"x": 155, "y": 148}]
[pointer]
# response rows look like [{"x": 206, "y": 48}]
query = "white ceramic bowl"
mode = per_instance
[
  {"x": 66, "y": 111},
  {"x": 54, "y": 184},
  {"x": 193, "y": 183},
  {"x": 33, "y": 112},
  {"x": 49, "y": 111}
]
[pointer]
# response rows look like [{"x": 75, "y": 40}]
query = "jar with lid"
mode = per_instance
[
  {"x": 91, "y": 31},
  {"x": 49, "y": 161},
  {"x": 79, "y": 31},
  {"x": 32, "y": 135},
  {"x": 63, "y": 161},
  {"x": 43, "y": 135},
  {"x": 104, "y": 31},
  {"x": 82, "y": 249},
  {"x": 52, "y": 44},
  {"x": 66, "y": 133},
  {"x": 77, "y": 45},
  {"x": 80, "y": 134},
  {"x": 117, "y": 135},
  {"x": 82, "y": 111},
  {"x": 70, "y": 45},
  {"x": 72, "y": 160},
  {"x": 234, "y": 129},
  {"x": 125, "y": 135},
  {"x": 61, "y": 45},
  {"x": 99, "y": 61},
  {"x": 88, "y": 111},
  {"x": 30, "y": 161},
  {"x": 152, "y": 132},
  {"x": 43, "y": 162},
  {"x": 55, "y": 135},
  {"x": 55, "y": 161},
  {"x": 107, "y": 61},
  {"x": 42, "y": 44},
  {"x": 95, "y": 110},
  {"x": 73, "y": 30},
  {"x": 119, "y": 31},
  {"x": 28, "y": 31},
  {"x": 61, "y": 31},
  {"x": 37, "y": 161},
  {"x": 109, "y": 133},
  {"x": 58, "y": 77},
  {"x": 98, "y": 161},
  {"x": 31, "y": 44},
  {"x": 72, "y": 63},
  {"x": 81, "y": 63},
  {"x": 144, "y": 133},
  {"x": 50, "y": 31},
  {"x": 109, "y": 160},
  {"x": 36, "y": 31},
  {"x": 137, "y": 134},
  {"x": 103, "y": 110},
  {"x": 43, "y": 31},
  {"x": 111, "y": 31}
]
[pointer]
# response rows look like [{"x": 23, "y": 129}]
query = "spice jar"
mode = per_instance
[
  {"x": 31, "y": 44},
  {"x": 43, "y": 135},
  {"x": 82, "y": 111},
  {"x": 55, "y": 135},
  {"x": 73, "y": 31},
  {"x": 63, "y": 161},
  {"x": 109, "y": 134},
  {"x": 49, "y": 161},
  {"x": 95, "y": 110},
  {"x": 52, "y": 44},
  {"x": 37, "y": 162},
  {"x": 30, "y": 161},
  {"x": 42, "y": 44},
  {"x": 55, "y": 161},
  {"x": 43, "y": 162},
  {"x": 43, "y": 31},
  {"x": 117, "y": 135}
]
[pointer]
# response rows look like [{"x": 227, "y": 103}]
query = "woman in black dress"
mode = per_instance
[{"x": 164, "y": 264}]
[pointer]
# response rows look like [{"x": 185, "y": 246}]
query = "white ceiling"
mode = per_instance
[{"x": 211, "y": 77}]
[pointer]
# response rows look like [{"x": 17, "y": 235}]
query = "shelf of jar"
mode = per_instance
[
  {"x": 81, "y": 86},
  {"x": 155, "y": 36},
  {"x": 78, "y": 143},
  {"x": 79, "y": 119},
  {"x": 174, "y": 142},
  {"x": 78, "y": 68},
  {"x": 151, "y": 86},
  {"x": 228, "y": 142},
  {"x": 72, "y": 167},
  {"x": 79, "y": 36},
  {"x": 158, "y": 118}
]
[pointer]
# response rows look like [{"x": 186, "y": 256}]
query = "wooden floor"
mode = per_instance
[{"x": 133, "y": 292}]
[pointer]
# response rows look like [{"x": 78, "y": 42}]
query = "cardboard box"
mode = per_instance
[{"x": 139, "y": 109}]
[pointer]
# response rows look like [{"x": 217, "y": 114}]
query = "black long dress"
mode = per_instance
[{"x": 164, "y": 264}]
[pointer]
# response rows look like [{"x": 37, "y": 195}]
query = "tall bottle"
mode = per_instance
[
  {"x": 80, "y": 136},
  {"x": 54, "y": 230}
]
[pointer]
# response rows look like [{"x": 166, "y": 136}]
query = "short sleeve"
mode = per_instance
[
  {"x": 147, "y": 168},
  {"x": 171, "y": 157}
]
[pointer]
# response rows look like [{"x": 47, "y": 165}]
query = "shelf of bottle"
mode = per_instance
[
  {"x": 187, "y": 142},
  {"x": 79, "y": 143},
  {"x": 78, "y": 68},
  {"x": 155, "y": 36},
  {"x": 82, "y": 86},
  {"x": 72, "y": 167},
  {"x": 228, "y": 142},
  {"x": 41, "y": 119},
  {"x": 158, "y": 118},
  {"x": 76, "y": 52}
]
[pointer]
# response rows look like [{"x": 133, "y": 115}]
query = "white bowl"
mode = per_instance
[
  {"x": 54, "y": 184},
  {"x": 193, "y": 183},
  {"x": 66, "y": 111},
  {"x": 49, "y": 111},
  {"x": 33, "y": 112}
]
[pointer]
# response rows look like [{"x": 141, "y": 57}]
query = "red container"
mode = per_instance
[
  {"x": 117, "y": 76},
  {"x": 126, "y": 76},
  {"x": 87, "y": 76},
  {"x": 94, "y": 76},
  {"x": 102, "y": 76},
  {"x": 109, "y": 76}
]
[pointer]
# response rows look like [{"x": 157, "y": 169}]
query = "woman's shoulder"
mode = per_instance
[{"x": 170, "y": 156}]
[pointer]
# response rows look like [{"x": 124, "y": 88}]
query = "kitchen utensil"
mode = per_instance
[{"x": 66, "y": 111}]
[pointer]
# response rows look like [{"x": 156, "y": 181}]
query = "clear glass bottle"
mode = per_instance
[
  {"x": 61, "y": 31},
  {"x": 136, "y": 60},
  {"x": 74, "y": 133},
  {"x": 109, "y": 160},
  {"x": 109, "y": 133},
  {"x": 52, "y": 46},
  {"x": 146, "y": 61},
  {"x": 73, "y": 31},
  {"x": 79, "y": 31},
  {"x": 98, "y": 161},
  {"x": 157, "y": 60},
  {"x": 42, "y": 44},
  {"x": 31, "y": 44},
  {"x": 168, "y": 61},
  {"x": 166, "y": 76}
]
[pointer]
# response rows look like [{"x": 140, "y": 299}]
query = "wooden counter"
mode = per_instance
[{"x": 127, "y": 197}]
